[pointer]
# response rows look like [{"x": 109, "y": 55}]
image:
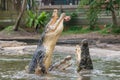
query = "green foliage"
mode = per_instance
[
  {"x": 31, "y": 18},
  {"x": 106, "y": 30},
  {"x": 77, "y": 30},
  {"x": 83, "y": 2},
  {"x": 74, "y": 15},
  {"x": 111, "y": 3},
  {"x": 116, "y": 30},
  {"x": 85, "y": 30},
  {"x": 92, "y": 13},
  {"x": 34, "y": 19},
  {"x": 110, "y": 29},
  {"x": 8, "y": 28},
  {"x": 95, "y": 8}
]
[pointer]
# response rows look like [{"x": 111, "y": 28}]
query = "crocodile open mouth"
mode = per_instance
[{"x": 55, "y": 21}]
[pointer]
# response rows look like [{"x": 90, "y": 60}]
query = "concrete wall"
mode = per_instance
[
  {"x": 75, "y": 21},
  {"x": 84, "y": 21}
]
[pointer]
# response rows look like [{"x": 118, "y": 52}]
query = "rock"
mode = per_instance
[
  {"x": 1, "y": 48},
  {"x": 11, "y": 43},
  {"x": 102, "y": 45},
  {"x": 20, "y": 50}
]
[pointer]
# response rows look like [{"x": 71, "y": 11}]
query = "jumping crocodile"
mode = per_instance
[{"x": 42, "y": 56}]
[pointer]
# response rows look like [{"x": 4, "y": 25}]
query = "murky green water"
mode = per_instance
[{"x": 12, "y": 68}]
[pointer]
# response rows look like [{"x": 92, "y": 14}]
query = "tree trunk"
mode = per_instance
[
  {"x": 20, "y": 15},
  {"x": 114, "y": 18}
]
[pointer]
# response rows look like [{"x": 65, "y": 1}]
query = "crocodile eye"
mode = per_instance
[{"x": 76, "y": 50}]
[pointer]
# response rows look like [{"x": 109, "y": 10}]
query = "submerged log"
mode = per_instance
[
  {"x": 84, "y": 61},
  {"x": 62, "y": 64},
  {"x": 42, "y": 57}
]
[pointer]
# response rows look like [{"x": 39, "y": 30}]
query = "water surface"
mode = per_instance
[{"x": 105, "y": 68}]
